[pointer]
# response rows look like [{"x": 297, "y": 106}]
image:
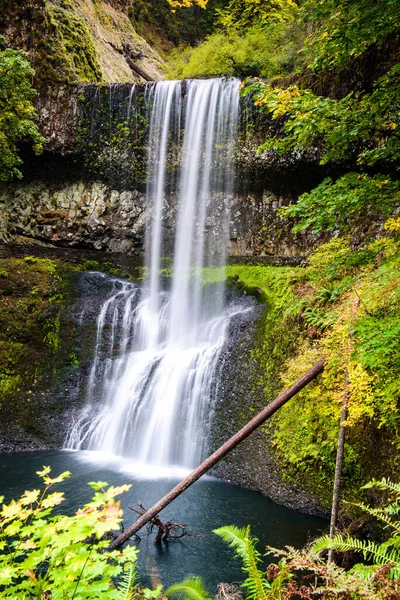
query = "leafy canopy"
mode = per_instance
[
  {"x": 186, "y": 3},
  {"x": 361, "y": 129},
  {"x": 343, "y": 30},
  {"x": 17, "y": 114}
]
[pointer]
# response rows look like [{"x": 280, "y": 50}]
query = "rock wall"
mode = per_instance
[
  {"x": 77, "y": 214},
  {"x": 244, "y": 391},
  {"x": 92, "y": 215},
  {"x": 75, "y": 41}
]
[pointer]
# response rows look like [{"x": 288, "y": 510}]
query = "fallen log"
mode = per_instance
[
  {"x": 138, "y": 70},
  {"x": 205, "y": 466}
]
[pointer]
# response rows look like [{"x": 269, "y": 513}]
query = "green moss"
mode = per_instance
[
  {"x": 133, "y": 272},
  {"x": 310, "y": 313},
  {"x": 114, "y": 148},
  {"x": 67, "y": 53},
  {"x": 33, "y": 342}
]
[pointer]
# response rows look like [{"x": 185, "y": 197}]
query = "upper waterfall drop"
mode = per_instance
[{"x": 155, "y": 369}]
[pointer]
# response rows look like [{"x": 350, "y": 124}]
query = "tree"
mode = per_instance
[
  {"x": 17, "y": 113},
  {"x": 186, "y": 3},
  {"x": 361, "y": 128}
]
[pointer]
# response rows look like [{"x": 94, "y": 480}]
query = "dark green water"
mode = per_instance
[{"x": 206, "y": 505}]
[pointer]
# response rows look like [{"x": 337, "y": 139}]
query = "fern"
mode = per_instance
[
  {"x": 386, "y": 553},
  {"x": 190, "y": 589},
  {"x": 385, "y": 485},
  {"x": 382, "y": 514},
  {"x": 245, "y": 546},
  {"x": 381, "y": 554},
  {"x": 126, "y": 584}
]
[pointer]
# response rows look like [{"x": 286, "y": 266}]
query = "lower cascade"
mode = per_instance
[{"x": 154, "y": 376}]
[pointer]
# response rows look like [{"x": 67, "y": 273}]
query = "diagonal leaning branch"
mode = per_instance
[{"x": 205, "y": 466}]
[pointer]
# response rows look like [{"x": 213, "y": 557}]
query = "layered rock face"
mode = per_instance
[
  {"x": 74, "y": 214},
  {"x": 92, "y": 215}
]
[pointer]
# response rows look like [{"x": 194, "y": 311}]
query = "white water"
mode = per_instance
[{"x": 155, "y": 371}]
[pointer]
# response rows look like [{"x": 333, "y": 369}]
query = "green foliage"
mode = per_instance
[
  {"x": 251, "y": 38},
  {"x": 310, "y": 313},
  {"x": 190, "y": 589},
  {"x": 256, "y": 585},
  {"x": 45, "y": 553},
  {"x": 361, "y": 128},
  {"x": 343, "y": 31},
  {"x": 165, "y": 29},
  {"x": 240, "y": 14},
  {"x": 336, "y": 204},
  {"x": 17, "y": 114}
]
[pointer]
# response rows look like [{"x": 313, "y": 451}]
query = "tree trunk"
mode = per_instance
[
  {"x": 339, "y": 461},
  {"x": 220, "y": 453},
  {"x": 342, "y": 436},
  {"x": 138, "y": 70}
]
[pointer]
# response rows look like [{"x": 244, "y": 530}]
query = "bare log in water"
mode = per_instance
[
  {"x": 205, "y": 466},
  {"x": 165, "y": 531}
]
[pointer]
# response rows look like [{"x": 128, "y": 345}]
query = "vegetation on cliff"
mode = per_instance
[
  {"x": 310, "y": 313},
  {"x": 33, "y": 343},
  {"x": 249, "y": 38},
  {"x": 17, "y": 114},
  {"x": 77, "y": 41}
]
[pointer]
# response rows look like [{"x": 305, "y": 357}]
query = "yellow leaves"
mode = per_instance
[
  {"x": 30, "y": 497},
  {"x": 53, "y": 500},
  {"x": 361, "y": 394},
  {"x": 112, "y": 511},
  {"x": 380, "y": 184},
  {"x": 120, "y": 489},
  {"x": 186, "y": 3},
  {"x": 9, "y": 511},
  {"x": 45, "y": 471},
  {"x": 392, "y": 224},
  {"x": 27, "y": 545},
  {"x": 6, "y": 575}
]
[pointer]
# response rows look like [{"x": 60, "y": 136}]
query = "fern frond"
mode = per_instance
[
  {"x": 191, "y": 589},
  {"x": 393, "y": 508},
  {"x": 380, "y": 553},
  {"x": 240, "y": 539},
  {"x": 384, "y": 485},
  {"x": 126, "y": 584},
  {"x": 378, "y": 513}
]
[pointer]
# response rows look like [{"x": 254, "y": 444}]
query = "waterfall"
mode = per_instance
[{"x": 154, "y": 376}]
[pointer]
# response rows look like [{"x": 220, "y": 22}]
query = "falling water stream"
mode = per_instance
[{"x": 151, "y": 397}]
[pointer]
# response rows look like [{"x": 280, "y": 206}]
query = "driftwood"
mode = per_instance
[
  {"x": 165, "y": 531},
  {"x": 220, "y": 453},
  {"x": 228, "y": 591}
]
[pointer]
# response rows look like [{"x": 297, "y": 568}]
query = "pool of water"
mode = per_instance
[{"x": 208, "y": 504}]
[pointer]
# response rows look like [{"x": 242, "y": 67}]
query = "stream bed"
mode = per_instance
[{"x": 208, "y": 504}]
